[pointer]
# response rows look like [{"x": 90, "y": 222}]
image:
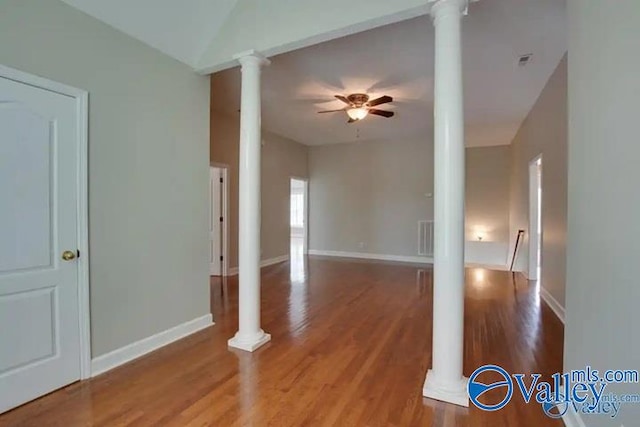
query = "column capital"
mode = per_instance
[
  {"x": 251, "y": 57},
  {"x": 439, "y": 6}
]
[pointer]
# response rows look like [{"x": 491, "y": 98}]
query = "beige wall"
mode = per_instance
[
  {"x": 368, "y": 197},
  {"x": 487, "y": 193},
  {"x": 148, "y": 133},
  {"x": 604, "y": 205},
  {"x": 282, "y": 159},
  {"x": 544, "y": 131}
]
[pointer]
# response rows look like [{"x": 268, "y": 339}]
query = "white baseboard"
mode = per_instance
[
  {"x": 264, "y": 263},
  {"x": 134, "y": 350},
  {"x": 496, "y": 267},
  {"x": 553, "y": 303},
  {"x": 274, "y": 260},
  {"x": 380, "y": 257},
  {"x": 572, "y": 419},
  {"x": 396, "y": 258}
]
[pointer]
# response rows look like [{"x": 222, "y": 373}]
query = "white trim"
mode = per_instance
[
  {"x": 40, "y": 82},
  {"x": 496, "y": 267},
  {"x": 380, "y": 257},
  {"x": 225, "y": 221},
  {"x": 553, "y": 303},
  {"x": 572, "y": 419},
  {"x": 82, "y": 104},
  {"x": 274, "y": 260},
  {"x": 264, "y": 263},
  {"x": 113, "y": 359},
  {"x": 83, "y": 237},
  {"x": 399, "y": 258},
  {"x": 224, "y": 212}
]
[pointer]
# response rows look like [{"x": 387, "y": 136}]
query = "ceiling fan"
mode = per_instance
[{"x": 359, "y": 106}]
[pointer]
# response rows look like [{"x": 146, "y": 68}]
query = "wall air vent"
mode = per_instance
[
  {"x": 524, "y": 59},
  {"x": 425, "y": 238}
]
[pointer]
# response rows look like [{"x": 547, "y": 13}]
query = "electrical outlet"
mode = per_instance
[{"x": 361, "y": 245}]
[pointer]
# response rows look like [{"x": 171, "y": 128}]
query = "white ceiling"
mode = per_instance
[
  {"x": 397, "y": 60},
  {"x": 179, "y": 28},
  {"x": 206, "y": 34}
]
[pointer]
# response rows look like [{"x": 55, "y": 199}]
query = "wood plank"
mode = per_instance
[{"x": 350, "y": 346}]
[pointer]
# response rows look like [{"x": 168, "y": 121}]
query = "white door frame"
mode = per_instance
[
  {"x": 82, "y": 105},
  {"x": 305, "y": 243},
  {"x": 224, "y": 209},
  {"x": 533, "y": 227}
]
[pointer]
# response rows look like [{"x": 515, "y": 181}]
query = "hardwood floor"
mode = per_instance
[{"x": 350, "y": 347}]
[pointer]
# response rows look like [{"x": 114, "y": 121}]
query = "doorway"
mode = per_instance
[
  {"x": 44, "y": 276},
  {"x": 298, "y": 218},
  {"x": 218, "y": 261},
  {"x": 535, "y": 218}
]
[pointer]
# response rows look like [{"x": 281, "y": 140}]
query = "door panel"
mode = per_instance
[
  {"x": 39, "y": 319},
  {"x": 25, "y": 239},
  {"x": 36, "y": 339}
]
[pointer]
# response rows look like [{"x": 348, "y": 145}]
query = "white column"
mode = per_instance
[
  {"x": 249, "y": 336},
  {"x": 445, "y": 381}
]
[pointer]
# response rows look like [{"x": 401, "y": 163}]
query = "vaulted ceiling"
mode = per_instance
[
  {"x": 182, "y": 29},
  {"x": 205, "y": 34},
  {"x": 322, "y": 48},
  {"x": 398, "y": 60}
]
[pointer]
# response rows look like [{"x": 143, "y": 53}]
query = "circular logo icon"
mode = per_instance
[
  {"x": 555, "y": 409},
  {"x": 476, "y": 388}
]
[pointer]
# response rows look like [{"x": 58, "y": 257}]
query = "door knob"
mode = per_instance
[{"x": 68, "y": 255}]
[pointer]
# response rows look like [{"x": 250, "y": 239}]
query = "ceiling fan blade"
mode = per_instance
[
  {"x": 378, "y": 101},
  {"x": 352, "y": 120},
  {"x": 343, "y": 99},
  {"x": 382, "y": 113},
  {"x": 331, "y": 111}
]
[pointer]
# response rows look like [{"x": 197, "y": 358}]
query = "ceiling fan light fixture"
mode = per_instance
[{"x": 358, "y": 113}]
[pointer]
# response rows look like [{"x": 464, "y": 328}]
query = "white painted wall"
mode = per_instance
[
  {"x": 603, "y": 290},
  {"x": 148, "y": 166}
]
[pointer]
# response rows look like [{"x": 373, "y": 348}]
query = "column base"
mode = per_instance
[
  {"x": 249, "y": 343},
  {"x": 455, "y": 393}
]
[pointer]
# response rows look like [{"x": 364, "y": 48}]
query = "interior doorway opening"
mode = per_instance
[
  {"x": 298, "y": 218},
  {"x": 218, "y": 261},
  {"x": 535, "y": 218}
]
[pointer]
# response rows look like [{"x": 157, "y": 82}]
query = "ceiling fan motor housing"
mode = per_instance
[{"x": 358, "y": 99}]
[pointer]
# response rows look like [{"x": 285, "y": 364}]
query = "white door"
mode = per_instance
[
  {"x": 215, "y": 226},
  {"x": 39, "y": 319}
]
